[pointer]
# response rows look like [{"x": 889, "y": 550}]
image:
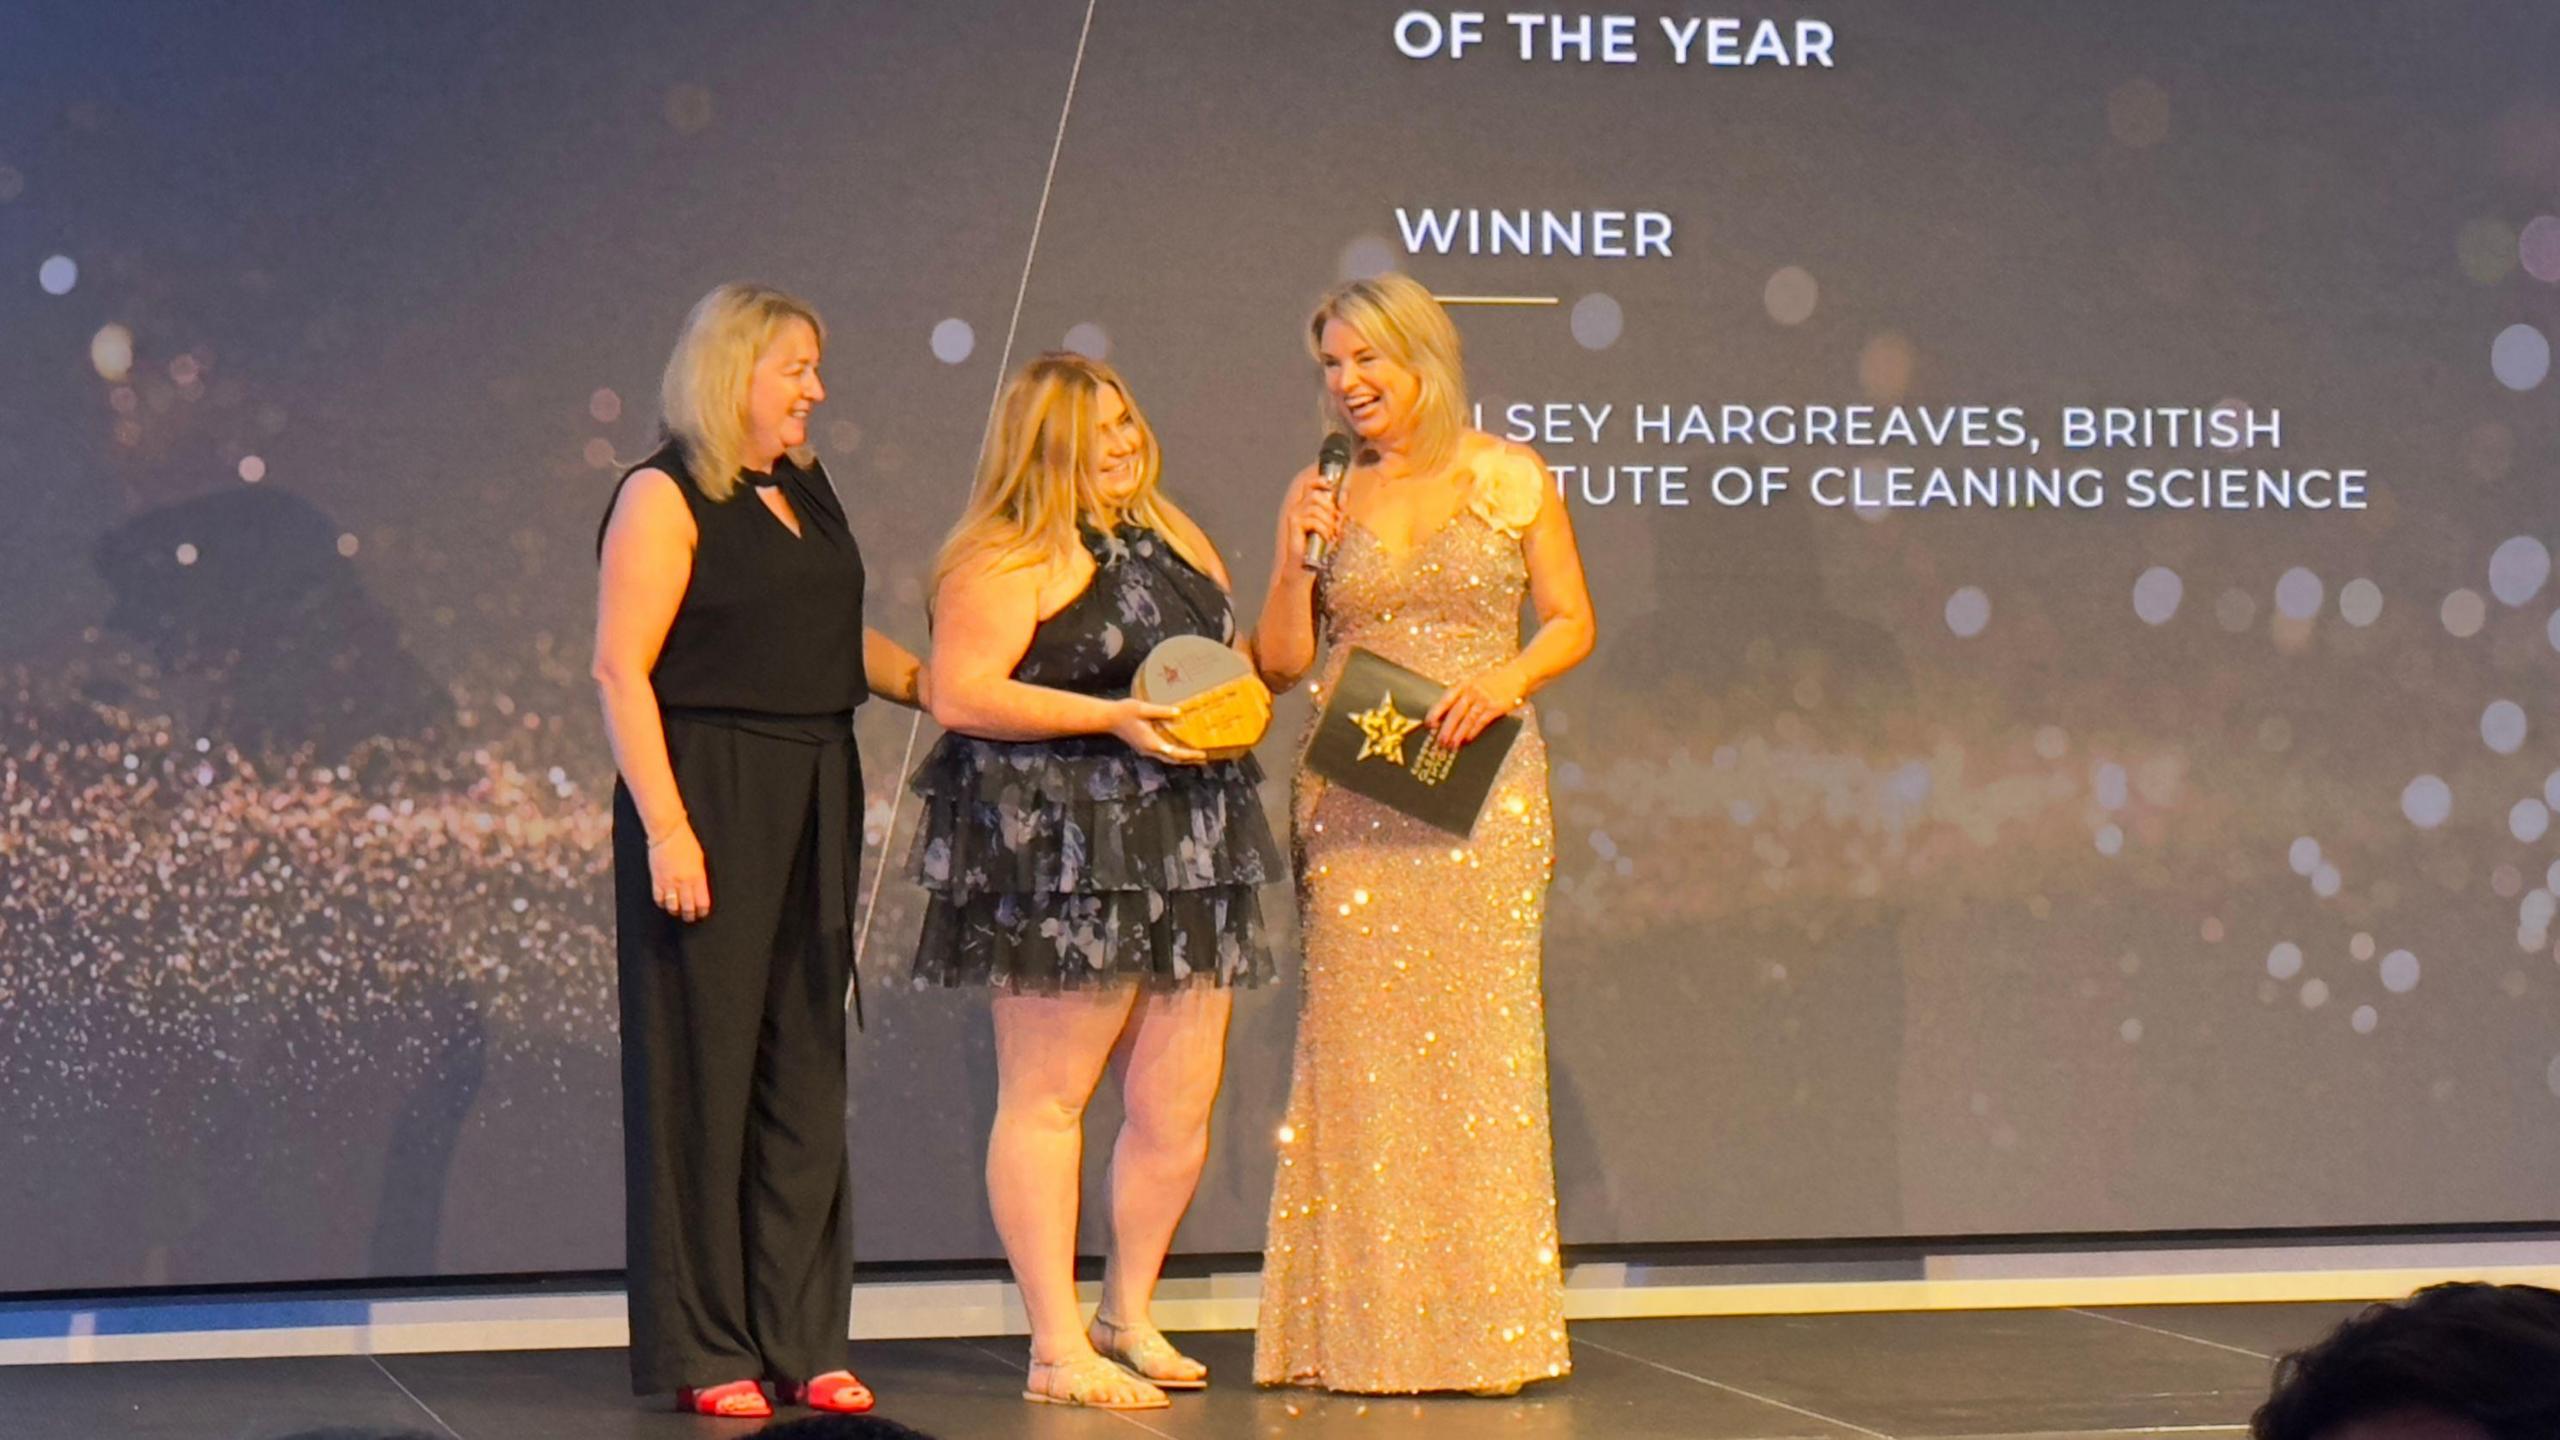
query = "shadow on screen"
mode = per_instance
[
  {"x": 267, "y": 640},
  {"x": 417, "y": 1160},
  {"x": 256, "y": 618}
]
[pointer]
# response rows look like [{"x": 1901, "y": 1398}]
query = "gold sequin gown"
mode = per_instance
[{"x": 1413, "y": 1224}]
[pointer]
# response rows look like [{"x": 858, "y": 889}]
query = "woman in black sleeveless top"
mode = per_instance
[
  {"x": 1098, "y": 875},
  {"x": 730, "y": 653}
]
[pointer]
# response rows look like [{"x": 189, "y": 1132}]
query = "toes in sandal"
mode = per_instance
[
  {"x": 737, "y": 1400},
  {"x": 837, "y": 1392},
  {"x": 1144, "y": 1349},
  {"x": 1092, "y": 1382}
]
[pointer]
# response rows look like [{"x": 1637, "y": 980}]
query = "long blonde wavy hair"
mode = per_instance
[
  {"x": 1036, "y": 473},
  {"x": 1407, "y": 325},
  {"x": 702, "y": 401}
]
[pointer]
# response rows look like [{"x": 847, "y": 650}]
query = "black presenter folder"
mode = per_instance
[{"x": 1372, "y": 741}]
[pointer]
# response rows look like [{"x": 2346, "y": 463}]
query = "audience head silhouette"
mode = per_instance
[{"x": 2453, "y": 1362}]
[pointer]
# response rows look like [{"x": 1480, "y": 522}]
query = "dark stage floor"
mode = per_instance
[{"x": 2018, "y": 1375}]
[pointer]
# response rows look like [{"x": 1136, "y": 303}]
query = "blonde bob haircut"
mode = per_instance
[
  {"x": 1036, "y": 473},
  {"x": 702, "y": 402},
  {"x": 1395, "y": 314}
]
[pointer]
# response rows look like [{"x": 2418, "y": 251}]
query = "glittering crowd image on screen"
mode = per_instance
[{"x": 1949, "y": 839}]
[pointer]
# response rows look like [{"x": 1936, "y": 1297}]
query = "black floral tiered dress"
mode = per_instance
[{"x": 1075, "y": 862}]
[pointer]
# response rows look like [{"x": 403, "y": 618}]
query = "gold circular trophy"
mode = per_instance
[{"x": 1224, "y": 706}]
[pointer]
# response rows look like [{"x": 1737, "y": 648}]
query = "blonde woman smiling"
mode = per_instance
[
  {"x": 1098, "y": 876},
  {"x": 730, "y": 654},
  {"x": 1413, "y": 1225}
]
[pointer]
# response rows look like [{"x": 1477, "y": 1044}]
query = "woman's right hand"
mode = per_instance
[
  {"x": 1138, "y": 724},
  {"x": 1312, "y": 508},
  {"x": 678, "y": 881}
]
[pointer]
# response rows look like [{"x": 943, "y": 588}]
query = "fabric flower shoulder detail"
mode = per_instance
[{"x": 1508, "y": 489}]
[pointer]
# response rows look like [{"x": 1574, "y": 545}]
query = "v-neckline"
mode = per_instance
[
  {"x": 1422, "y": 543},
  {"x": 801, "y": 531},
  {"x": 1402, "y": 558}
]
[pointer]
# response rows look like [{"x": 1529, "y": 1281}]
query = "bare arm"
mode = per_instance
[
  {"x": 1566, "y": 625},
  {"x": 892, "y": 671},
  {"x": 986, "y": 618},
  {"x": 646, "y": 564},
  {"x": 1567, "y": 629},
  {"x": 1283, "y": 644}
]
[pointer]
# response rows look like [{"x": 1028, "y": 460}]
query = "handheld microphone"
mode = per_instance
[{"x": 1331, "y": 462}]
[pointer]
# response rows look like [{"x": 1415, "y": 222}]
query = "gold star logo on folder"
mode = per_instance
[
  {"x": 1443, "y": 788},
  {"x": 1382, "y": 731}
]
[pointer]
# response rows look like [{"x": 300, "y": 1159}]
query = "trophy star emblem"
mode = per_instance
[{"x": 1382, "y": 731}]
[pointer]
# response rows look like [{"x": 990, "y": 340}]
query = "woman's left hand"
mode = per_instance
[{"x": 1474, "y": 703}]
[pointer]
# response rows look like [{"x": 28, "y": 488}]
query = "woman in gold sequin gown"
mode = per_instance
[{"x": 1413, "y": 1224}]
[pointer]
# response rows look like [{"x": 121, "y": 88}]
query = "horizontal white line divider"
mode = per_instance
[{"x": 214, "y": 1327}]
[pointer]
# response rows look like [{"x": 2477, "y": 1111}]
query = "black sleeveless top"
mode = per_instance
[
  {"x": 1142, "y": 593},
  {"x": 770, "y": 623}
]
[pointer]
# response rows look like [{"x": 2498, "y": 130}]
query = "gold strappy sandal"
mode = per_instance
[
  {"x": 1088, "y": 1381},
  {"x": 1144, "y": 1350}
]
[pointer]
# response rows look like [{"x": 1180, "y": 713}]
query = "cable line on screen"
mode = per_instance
[{"x": 1004, "y": 362}]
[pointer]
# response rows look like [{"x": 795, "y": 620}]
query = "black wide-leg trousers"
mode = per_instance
[{"x": 738, "y": 1186}]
